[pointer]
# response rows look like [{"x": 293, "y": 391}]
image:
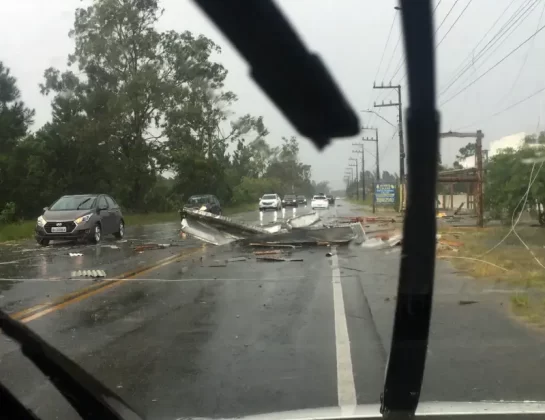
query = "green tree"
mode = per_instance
[
  {"x": 15, "y": 119},
  {"x": 135, "y": 82}
]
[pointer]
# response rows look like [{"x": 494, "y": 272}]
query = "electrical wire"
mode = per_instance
[
  {"x": 503, "y": 110},
  {"x": 404, "y": 58},
  {"x": 494, "y": 66},
  {"x": 452, "y": 26},
  {"x": 448, "y": 31},
  {"x": 521, "y": 68},
  {"x": 508, "y": 26},
  {"x": 446, "y": 16},
  {"x": 385, "y": 45},
  {"x": 468, "y": 58}
]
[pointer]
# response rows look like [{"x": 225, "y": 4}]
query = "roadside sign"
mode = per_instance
[{"x": 385, "y": 194}]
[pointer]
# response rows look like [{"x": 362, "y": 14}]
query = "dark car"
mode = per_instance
[
  {"x": 204, "y": 202},
  {"x": 80, "y": 217},
  {"x": 331, "y": 199},
  {"x": 290, "y": 201},
  {"x": 301, "y": 199}
]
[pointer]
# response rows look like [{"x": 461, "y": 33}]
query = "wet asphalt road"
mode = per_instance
[{"x": 199, "y": 337}]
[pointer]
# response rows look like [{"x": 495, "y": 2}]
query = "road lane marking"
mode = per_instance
[
  {"x": 346, "y": 389},
  {"x": 40, "y": 310}
]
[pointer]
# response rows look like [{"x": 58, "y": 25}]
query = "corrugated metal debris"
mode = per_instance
[{"x": 88, "y": 273}]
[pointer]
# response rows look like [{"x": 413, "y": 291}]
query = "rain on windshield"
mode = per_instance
[{"x": 134, "y": 109}]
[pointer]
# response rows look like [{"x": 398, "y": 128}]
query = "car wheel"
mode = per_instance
[
  {"x": 96, "y": 234},
  {"x": 42, "y": 241},
  {"x": 121, "y": 231}
]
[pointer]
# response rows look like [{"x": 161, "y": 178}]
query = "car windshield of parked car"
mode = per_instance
[
  {"x": 198, "y": 199},
  {"x": 269, "y": 197},
  {"x": 78, "y": 202}
]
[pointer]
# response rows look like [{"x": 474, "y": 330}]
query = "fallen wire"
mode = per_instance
[{"x": 472, "y": 259}]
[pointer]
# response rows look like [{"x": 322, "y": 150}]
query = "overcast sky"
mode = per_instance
[{"x": 350, "y": 36}]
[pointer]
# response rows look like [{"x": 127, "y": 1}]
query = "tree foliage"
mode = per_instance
[
  {"x": 507, "y": 180},
  {"x": 135, "y": 107}
]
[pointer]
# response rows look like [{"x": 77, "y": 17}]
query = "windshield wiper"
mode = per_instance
[
  {"x": 89, "y": 397},
  {"x": 405, "y": 370},
  {"x": 83, "y": 202},
  {"x": 295, "y": 79}
]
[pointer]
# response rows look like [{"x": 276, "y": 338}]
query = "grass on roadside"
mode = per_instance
[
  {"x": 522, "y": 270},
  {"x": 17, "y": 231}
]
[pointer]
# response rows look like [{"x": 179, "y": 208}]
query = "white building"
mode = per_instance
[{"x": 513, "y": 141}]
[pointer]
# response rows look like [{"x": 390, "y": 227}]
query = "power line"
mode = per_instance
[
  {"x": 385, "y": 45},
  {"x": 483, "y": 38},
  {"x": 448, "y": 31},
  {"x": 446, "y": 16},
  {"x": 521, "y": 68},
  {"x": 503, "y": 110},
  {"x": 404, "y": 59},
  {"x": 495, "y": 65},
  {"x": 452, "y": 26},
  {"x": 506, "y": 27}
]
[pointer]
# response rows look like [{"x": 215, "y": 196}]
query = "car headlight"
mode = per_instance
[
  {"x": 82, "y": 219},
  {"x": 41, "y": 221}
]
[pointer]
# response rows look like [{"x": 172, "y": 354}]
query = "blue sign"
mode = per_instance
[{"x": 385, "y": 194}]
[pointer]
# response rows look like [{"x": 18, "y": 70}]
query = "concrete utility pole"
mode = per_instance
[
  {"x": 364, "y": 194},
  {"x": 400, "y": 112},
  {"x": 357, "y": 183},
  {"x": 376, "y": 143},
  {"x": 479, "y": 164}
]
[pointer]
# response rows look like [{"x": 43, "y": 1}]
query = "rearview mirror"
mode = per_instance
[
  {"x": 46, "y": 208},
  {"x": 102, "y": 207}
]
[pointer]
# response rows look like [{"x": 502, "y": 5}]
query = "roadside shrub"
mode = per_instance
[{"x": 7, "y": 215}]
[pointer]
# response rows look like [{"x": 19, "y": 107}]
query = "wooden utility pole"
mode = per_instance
[
  {"x": 376, "y": 143},
  {"x": 479, "y": 193},
  {"x": 357, "y": 183},
  {"x": 363, "y": 194},
  {"x": 400, "y": 130}
]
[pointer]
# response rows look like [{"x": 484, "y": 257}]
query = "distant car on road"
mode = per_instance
[
  {"x": 271, "y": 202},
  {"x": 80, "y": 217},
  {"x": 204, "y": 202},
  {"x": 290, "y": 201},
  {"x": 331, "y": 199},
  {"x": 319, "y": 202},
  {"x": 301, "y": 199}
]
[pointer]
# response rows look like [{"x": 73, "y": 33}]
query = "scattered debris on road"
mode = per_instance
[
  {"x": 110, "y": 246},
  {"x": 467, "y": 302},
  {"x": 329, "y": 254},
  {"x": 88, "y": 273},
  {"x": 218, "y": 263},
  {"x": 278, "y": 259},
  {"x": 273, "y": 245},
  {"x": 75, "y": 254},
  {"x": 354, "y": 269},
  {"x": 236, "y": 259},
  {"x": 150, "y": 247},
  {"x": 272, "y": 251}
]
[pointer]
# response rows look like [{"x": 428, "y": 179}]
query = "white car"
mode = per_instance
[
  {"x": 319, "y": 202},
  {"x": 270, "y": 201}
]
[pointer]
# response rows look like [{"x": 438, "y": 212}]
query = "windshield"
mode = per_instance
[
  {"x": 198, "y": 200},
  {"x": 74, "y": 203},
  {"x": 202, "y": 285}
]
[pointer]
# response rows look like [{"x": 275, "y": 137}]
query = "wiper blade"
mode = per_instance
[
  {"x": 82, "y": 203},
  {"x": 13, "y": 406},
  {"x": 294, "y": 79},
  {"x": 405, "y": 370},
  {"x": 89, "y": 397}
]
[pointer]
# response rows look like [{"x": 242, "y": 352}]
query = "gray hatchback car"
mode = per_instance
[{"x": 80, "y": 217}]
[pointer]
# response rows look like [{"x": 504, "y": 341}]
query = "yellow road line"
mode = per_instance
[{"x": 40, "y": 310}]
